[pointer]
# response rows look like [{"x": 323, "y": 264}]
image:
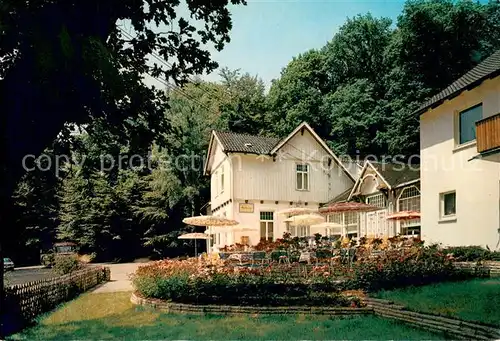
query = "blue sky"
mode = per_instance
[{"x": 267, "y": 34}]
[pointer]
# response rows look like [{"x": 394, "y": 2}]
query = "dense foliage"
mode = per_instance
[{"x": 358, "y": 92}]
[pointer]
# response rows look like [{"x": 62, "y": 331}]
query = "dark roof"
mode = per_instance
[
  {"x": 342, "y": 197},
  {"x": 488, "y": 68},
  {"x": 397, "y": 174},
  {"x": 244, "y": 143}
]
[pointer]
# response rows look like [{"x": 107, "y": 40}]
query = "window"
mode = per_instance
[
  {"x": 448, "y": 204},
  {"x": 409, "y": 200},
  {"x": 222, "y": 180},
  {"x": 266, "y": 226},
  {"x": 467, "y": 123},
  {"x": 377, "y": 200},
  {"x": 302, "y": 171}
]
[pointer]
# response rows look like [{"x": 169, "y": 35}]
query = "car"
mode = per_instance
[{"x": 8, "y": 264}]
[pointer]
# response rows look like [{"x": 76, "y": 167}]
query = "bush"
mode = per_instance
[
  {"x": 417, "y": 267},
  {"x": 65, "y": 264},
  {"x": 187, "y": 282},
  {"x": 472, "y": 253}
]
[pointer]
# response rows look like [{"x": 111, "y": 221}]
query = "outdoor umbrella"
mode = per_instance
[
  {"x": 194, "y": 236},
  {"x": 209, "y": 220},
  {"x": 343, "y": 207},
  {"x": 305, "y": 220},
  {"x": 404, "y": 215},
  {"x": 296, "y": 210}
]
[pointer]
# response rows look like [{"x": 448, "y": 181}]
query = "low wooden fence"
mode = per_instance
[{"x": 24, "y": 302}]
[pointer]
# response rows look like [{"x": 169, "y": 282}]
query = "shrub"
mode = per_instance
[
  {"x": 214, "y": 283},
  {"x": 472, "y": 253},
  {"x": 65, "y": 264},
  {"x": 393, "y": 269}
]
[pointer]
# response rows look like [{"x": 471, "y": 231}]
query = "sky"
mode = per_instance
[{"x": 267, "y": 34}]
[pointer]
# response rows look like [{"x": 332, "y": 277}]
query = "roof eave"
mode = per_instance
[{"x": 474, "y": 84}]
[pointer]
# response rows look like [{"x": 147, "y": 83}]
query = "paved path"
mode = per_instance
[
  {"x": 28, "y": 274},
  {"x": 120, "y": 278}
]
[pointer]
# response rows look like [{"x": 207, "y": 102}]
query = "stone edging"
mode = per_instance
[
  {"x": 454, "y": 327},
  {"x": 237, "y": 310},
  {"x": 383, "y": 308}
]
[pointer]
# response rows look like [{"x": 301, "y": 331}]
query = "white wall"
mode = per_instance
[
  {"x": 259, "y": 178},
  {"x": 220, "y": 163},
  {"x": 447, "y": 168}
]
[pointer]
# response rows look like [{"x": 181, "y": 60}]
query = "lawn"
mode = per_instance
[
  {"x": 112, "y": 316},
  {"x": 474, "y": 300}
]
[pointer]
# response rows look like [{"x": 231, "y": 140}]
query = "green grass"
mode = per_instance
[
  {"x": 112, "y": 316},
  {"x": 474, "y": 300}
]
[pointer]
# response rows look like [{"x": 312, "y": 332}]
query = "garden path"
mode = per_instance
[{"x": 120, "y": 278}]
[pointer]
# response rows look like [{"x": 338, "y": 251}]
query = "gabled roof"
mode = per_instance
[
  {"x": 305, "y": 126},
  {"x": 245, "y": 143},
  {"x": 488, "y": 68},
  {"x": 397, "y": 174},
  {"x": 394, "y": 175},
  {"x": 342, "y": 197}
]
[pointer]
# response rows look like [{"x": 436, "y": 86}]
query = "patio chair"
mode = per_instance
[
  {"x": 308, "y": 257},
  {"x": 259, "y": 257},
  {"x": 280, "y": 256}
]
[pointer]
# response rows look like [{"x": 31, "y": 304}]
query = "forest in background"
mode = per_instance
[{"x": 359, "y": 92}]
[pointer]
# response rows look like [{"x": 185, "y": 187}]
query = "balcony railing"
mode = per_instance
[{"x": 488, "y": 134}]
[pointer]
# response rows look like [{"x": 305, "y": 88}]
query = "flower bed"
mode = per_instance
[
  {"x": 199, "y": 282},
  {"x": 196, "y": 281},
  {"x": 399, "y": 268}
]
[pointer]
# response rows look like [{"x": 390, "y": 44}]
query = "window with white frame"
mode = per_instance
[
  {"x": 448, "y": 205},
  {"x": 302, "y": 174},
  {"x": 267, "y": 226},
  {"x": 409, "y": 200},
  {"x": 467, "y": 123},
  {"x": 222, "y": 179},
  {"x": 377, "y": 200}
]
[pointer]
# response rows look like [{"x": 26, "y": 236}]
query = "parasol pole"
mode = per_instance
[{"x": 195, "y": 248}]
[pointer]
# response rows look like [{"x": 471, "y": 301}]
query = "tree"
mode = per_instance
[
  {"x": 297, "y": 95},
  {"x": 357, "y": 120},
  {"x": 67, "y": 61},
  {"x": 245, "y": 107}
]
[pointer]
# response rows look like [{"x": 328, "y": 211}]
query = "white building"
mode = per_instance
[
  {"x": 253, "y": 177},
  {"x": 460, "y": 159},
  {"x": 392, "y": 187}
]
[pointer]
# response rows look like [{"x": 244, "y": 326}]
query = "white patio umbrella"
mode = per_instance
[
  {"x": 194, "y": 236},
  {"x": 296, "y": 210},
  {"x": 209, "y": 221},
  {"x": 305, "y": 220}
]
